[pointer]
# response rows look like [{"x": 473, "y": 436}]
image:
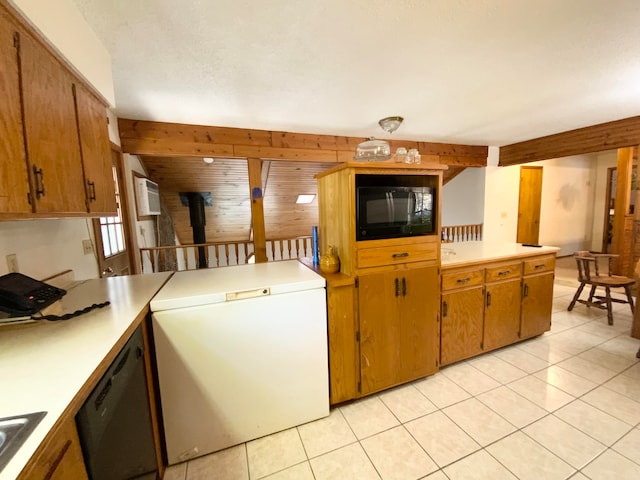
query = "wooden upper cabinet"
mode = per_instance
[
  {"x": 14, "y": 181},
  {"x": 53, "y": 147},
  {"x": 96, "y": 153}
]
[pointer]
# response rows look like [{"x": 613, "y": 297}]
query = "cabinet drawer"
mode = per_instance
[
  {"x": 379, "y": 256},
  {"x": 451, "y": 281},
  {"x": 539, "y": 264},
  {"x": 503, "y": 272}
]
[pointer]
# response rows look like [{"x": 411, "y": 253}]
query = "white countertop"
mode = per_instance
[
  {"x": 44, "y": 365},
  {"x": 464, "y": 253}
]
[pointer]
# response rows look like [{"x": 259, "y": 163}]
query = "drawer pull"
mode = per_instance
[
  {"x": 539, "y": 266},
  {"x": 504, "y": 272},
  {"x": 400, "y": 255},
  {"x": 463, "y": 280}
]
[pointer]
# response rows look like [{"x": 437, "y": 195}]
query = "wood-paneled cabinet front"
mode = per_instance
[
  {"x": 501, "y": 314},
  {"x": 537, "y": 296},
  {"x": 53, "y": 147},
  {"x": 14, "y": 181},
  {"x": 398, "y": 315},
  {"x": 55, "y": 152},
  {"x": 96, "y": 153},
  {"x": 462, "y": 324},
  {"x": 60, "y": 458}
]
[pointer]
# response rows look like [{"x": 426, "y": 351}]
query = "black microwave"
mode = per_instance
[{"x": 392, "y": 211}]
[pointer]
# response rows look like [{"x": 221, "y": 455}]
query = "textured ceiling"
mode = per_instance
[{"x": 488, "y": 72}]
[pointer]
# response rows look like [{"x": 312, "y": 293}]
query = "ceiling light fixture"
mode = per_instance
[
  {"x": 378, "y": 150},
  {"x": 390, "y": 124},
  {"x": 208, "y": 160},
  {"x": 305, "y": 198}
]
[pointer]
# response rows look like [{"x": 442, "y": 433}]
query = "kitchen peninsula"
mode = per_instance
[{"x": 53, "y": 366}]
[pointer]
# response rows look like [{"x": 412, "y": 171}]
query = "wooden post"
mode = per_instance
[{"x": 257, "y": 209}]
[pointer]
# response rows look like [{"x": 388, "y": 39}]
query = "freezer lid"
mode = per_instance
[{"x": 216, "y": 285}]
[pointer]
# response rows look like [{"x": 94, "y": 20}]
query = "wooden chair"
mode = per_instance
[{"x": 589, "y": 274}]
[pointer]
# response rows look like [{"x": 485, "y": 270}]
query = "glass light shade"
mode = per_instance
[
  {"x": 373, "y": 151},
  {"x": 390, "y": 124}
]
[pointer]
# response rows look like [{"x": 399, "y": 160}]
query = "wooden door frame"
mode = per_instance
[{"x": 607, "y": 208}]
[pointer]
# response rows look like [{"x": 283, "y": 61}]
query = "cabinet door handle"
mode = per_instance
[
  {"x": 397, "y": 287},
  {"x": 463, "y": 280},
  {"x": 488, "y": 299},
  {"x": 404, "y": 287},
  {"x": 504, "y": 272},
  {"x": 525, "y": 293},
  {"x": 445, "y": 309},
  {"x": 92, "y": 190},
  {"x": 39, "y": 177},
  {"x": 400, "y": 255}
]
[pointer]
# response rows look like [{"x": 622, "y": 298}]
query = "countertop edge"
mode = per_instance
[{"x": 39, "y": 439}]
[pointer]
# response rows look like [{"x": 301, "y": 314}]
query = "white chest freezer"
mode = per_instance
[{"x": 241, "y": 353}]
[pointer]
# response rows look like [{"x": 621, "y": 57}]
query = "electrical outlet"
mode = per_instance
[
  {"x": 12, "y": 262},
  {"x": 87, "y": 247}
]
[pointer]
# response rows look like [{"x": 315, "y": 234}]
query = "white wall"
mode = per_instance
[
  {"x": 463, "y": 198},
  {"x": 567, "y": 210},
  {"x": 500, "y": 200},
  {"x": 566, "y": 217},
  {"x": 46, "y": 247},
  {"x": 143, "y": 231},
  {"x": 63, "y": 25}
]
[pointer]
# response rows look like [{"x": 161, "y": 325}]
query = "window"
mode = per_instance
[{"x": 111, "y": 227}]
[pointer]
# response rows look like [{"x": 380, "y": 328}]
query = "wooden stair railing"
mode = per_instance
[
  {"x": 462, "y": 233},
  {"x": 221, "y": 254}
]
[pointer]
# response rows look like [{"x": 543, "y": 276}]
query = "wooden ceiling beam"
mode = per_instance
[
  {"x": 597, "y": 138},
  {"x": 141, "y": 137}
]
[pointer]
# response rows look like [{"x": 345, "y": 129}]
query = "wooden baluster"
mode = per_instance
[
  {"x": 246, "y": 251},
  {"x": 152, "y": 260},
  {"x": 236, "y": 248},
  {"x": 289, "y": 248}
]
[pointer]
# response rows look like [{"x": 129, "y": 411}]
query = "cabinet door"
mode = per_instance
[
  {"x": 14, "y": 181},
  {"x": 53, "y": 149},
  {"x": 96, "y": 153},
  {"x": 462, "y": 320},
  {"x": 60, "y": 459},
  {"x": 343, "y": 354},
  {"x": 418, "y": 320},
  {"x": 537, "y": 303},
  {"x": 502, "y": 314},
  {"x": 379, "y": 331}
]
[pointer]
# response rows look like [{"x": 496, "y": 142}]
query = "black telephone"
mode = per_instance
[{"x": 22, "y": 295}]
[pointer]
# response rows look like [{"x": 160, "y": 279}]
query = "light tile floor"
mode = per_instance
[{"x": 563, "y": 405}]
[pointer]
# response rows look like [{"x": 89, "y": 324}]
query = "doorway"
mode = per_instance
[
  {"x": 112, "y": 233},
  {"x": 529, "y": 202}
]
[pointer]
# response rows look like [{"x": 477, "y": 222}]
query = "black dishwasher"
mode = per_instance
[{"x": 114, "y": 423}]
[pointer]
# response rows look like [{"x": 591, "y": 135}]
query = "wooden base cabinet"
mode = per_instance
[
  {"x": 537, "y": 296},
  {"x": 462, "y": 324},
  {"x": 494, "y": 304},
  {"x": 501, "y": 314},
  {"x": 58, "y": 459},
  {"x": 398, "y": 313}
]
